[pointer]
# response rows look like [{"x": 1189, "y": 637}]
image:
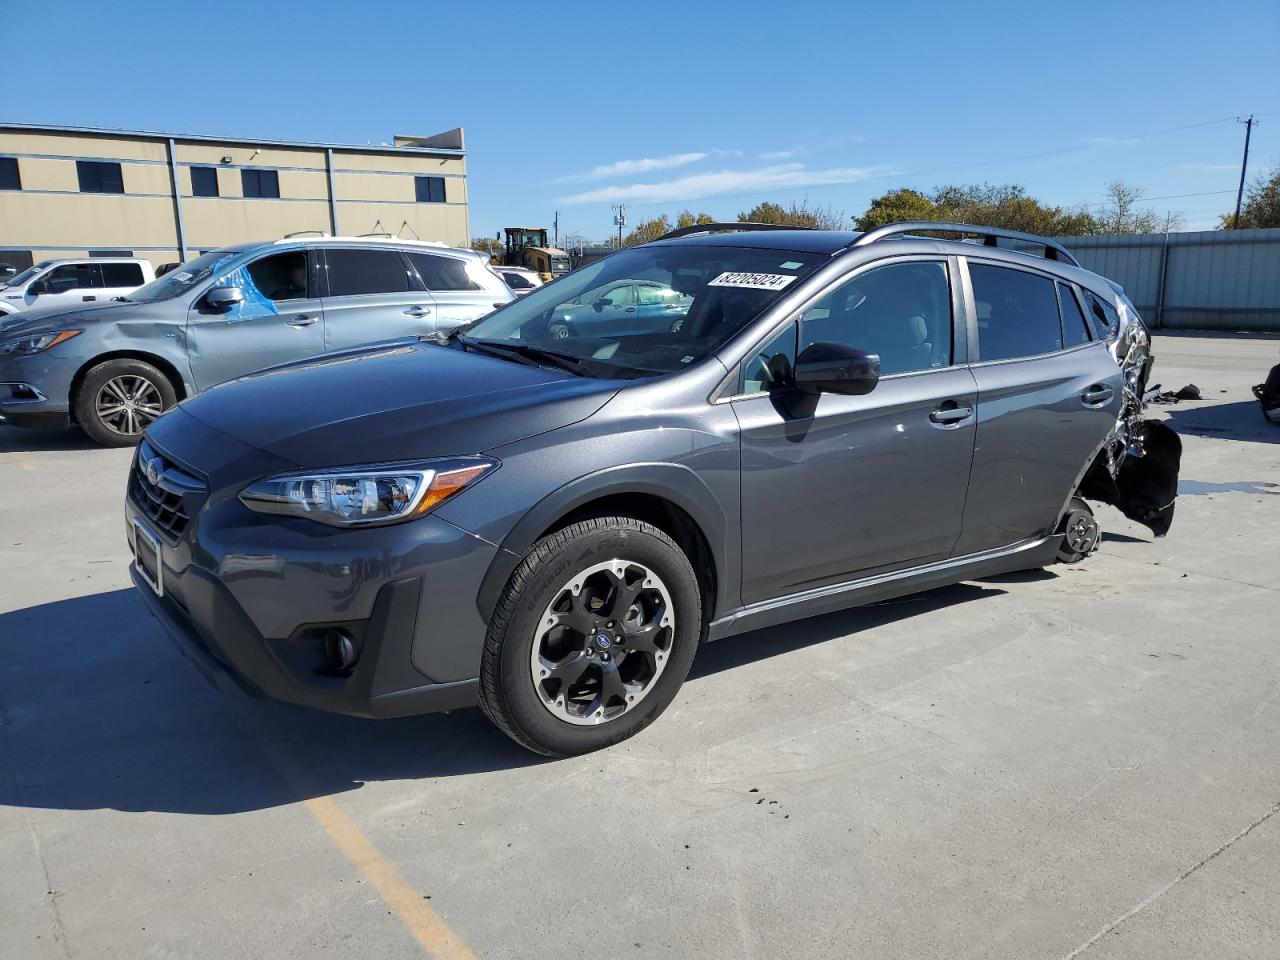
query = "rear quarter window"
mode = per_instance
[{"x": 1104, "y": 321}]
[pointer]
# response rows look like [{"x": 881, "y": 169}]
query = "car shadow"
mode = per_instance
[
  {"x": 1241, "y": 420},
  {"x": 27, "y": 440},
  {"x": 99, "y": 711}
]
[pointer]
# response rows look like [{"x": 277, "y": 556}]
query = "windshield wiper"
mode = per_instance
[{"x": 562, "y": 361}]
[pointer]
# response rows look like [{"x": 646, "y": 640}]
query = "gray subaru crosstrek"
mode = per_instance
[
  {"x": 550, "y": 525},
  {"x": 112, "y": 368}
]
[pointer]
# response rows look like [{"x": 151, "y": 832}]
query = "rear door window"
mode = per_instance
[
  {"x": 442, "y": 273},
  {"x": 1017, "y": 312},
  {"x": 1074, "y": 330},
  {"x": 121, "y": 274},
  {"x": 356, "y": 272}
]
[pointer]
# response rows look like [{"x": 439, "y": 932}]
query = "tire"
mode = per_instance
[
  {"x": 118, "y": 399},
  {"x": 1081, "y": 532},
  {"x": 625, "y": 675},
  {"x": 560, "y": 331}
]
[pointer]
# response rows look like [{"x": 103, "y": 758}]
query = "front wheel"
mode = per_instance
[
  {"x": 119, "y": 399},
  {"x": 592, "y": 638}
]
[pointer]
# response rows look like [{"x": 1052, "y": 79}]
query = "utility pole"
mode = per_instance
[
  {"x": 620, "y": 218},
  {"x": 1244, "y": 165},
  {"x": 556, "y": 225}
]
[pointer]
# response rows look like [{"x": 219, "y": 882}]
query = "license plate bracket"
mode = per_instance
[{"x": 146, "y": 556}]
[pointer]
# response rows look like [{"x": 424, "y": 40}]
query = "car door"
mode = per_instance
[
  {"x": 462, "y": 290},
  {"x": 281, "y": 319},
  {"x": 1046, "y": 402},
  {"x": 836, "y": 487},
  {"x": 611, "y": 309},
  {"x": 372, "y": 294},
  {"x": 66, "y": 285}
]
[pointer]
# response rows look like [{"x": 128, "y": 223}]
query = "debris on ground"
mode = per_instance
[
  {"x": 1156, "y": 395},
  {"x": 1268, "y": 394}
]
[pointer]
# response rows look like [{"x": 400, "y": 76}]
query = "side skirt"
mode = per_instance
[{"x": 1038, "y": 552}]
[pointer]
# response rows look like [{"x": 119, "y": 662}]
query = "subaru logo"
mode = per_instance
[
  {"x": 154, "y": 469},
  {"x": 602, "y": 641}
]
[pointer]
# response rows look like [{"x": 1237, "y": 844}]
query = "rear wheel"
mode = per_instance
[
  {"x": 1080, "y": 532},
  {"x": 592, "y": 638},
  {"x": 119, "y": 399}
]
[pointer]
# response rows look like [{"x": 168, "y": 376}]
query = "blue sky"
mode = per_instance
[{"x": 711, "y": 106}]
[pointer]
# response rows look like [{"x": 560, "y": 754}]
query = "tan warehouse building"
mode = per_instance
[{"x": 75, "y": 191}]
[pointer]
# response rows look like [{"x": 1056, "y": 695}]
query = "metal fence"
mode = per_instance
[{"x": 1211, "y": 280}]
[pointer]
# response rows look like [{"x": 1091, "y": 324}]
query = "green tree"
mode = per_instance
[
  {"x": 486, "y": 245},
  {"x": 687, "y": 218},
  {"x": 647, "y": 230},
  {"x": 1261, "y": 207},
  {"x": 896, "y": 206},
  {"x": 1004, "y": 205},
  {"x": 796, "y": 215}
]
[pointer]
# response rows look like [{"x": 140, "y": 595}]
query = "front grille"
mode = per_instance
[{"x": 166, "y": 494}]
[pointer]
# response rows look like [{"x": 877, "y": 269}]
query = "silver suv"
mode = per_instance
[{"x": 114, "y": 367}]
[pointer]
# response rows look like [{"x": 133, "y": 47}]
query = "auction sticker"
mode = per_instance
[{"x": 752, "y": 281}]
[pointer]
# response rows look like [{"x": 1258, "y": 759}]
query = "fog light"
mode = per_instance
[{"x": 339, "y": 650}]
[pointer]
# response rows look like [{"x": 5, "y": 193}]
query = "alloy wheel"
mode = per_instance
[
  {"x": 603, "y": 642},
  {"x": 127, "y": 404},
  {"x": 1082, "y": 533}
]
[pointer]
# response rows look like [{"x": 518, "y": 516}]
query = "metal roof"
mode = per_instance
[{"x": 247, "y": 141}]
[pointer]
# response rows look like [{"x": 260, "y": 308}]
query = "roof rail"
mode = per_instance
[
  {"x": 1052, "y": 249},
  {"x": 723, "y": 227}
]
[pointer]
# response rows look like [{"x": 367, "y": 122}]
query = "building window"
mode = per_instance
[
  {"x": 10, "y": 179},
  {"x": 264, "y": 184},
  {"x": 99, "y": 177},
  {"x": 204, "y": 182},
  {"x": 429, "y": 189},
  {"x": 111, "y": 253}
]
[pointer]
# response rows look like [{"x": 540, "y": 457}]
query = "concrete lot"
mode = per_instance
[{"x": 1080, "y": 762}]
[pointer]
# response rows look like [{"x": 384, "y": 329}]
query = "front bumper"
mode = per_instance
[
  {"x": 237, "y": 660},
  {"x": 251, "y": 599},
  {"x": 35, "y": 391}
]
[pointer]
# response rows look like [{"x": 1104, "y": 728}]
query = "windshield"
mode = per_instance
[
  {"x": 28, "y": 273},
  {"x": 649, "y": 310},
  {"x": 181, "y": 279}
]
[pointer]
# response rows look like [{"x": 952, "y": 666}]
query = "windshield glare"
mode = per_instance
[
  {"x": 28, "y": 273},
  {"x": 182, "y": 279},
  {"x": 649, "y": 310}
]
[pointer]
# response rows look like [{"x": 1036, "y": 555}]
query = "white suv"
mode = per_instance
[{"x": 66, "y": 283}]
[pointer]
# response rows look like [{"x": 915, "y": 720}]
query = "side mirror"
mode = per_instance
[
  {"x": 37, "y": 287},
  {"x": 834, "y": 368},
  {"x": 602, "y": 303},
  {"x": 224, "y": 298}
]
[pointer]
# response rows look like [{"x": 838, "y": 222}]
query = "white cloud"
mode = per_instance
[
  {"x": 777, "y": 155},
  {"x": 627, "y": 168},
  {"x": 694, "y": 186}
]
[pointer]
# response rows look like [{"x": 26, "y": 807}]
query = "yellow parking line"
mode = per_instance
[{"x": 425, "y": 925}]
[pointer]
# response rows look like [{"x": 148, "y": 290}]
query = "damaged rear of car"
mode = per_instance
[{"x": 1137, "y": 469}]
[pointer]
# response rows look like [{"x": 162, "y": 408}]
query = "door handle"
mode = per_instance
[
  {"x": 417, "y": 311},
  {"x": 950, "y": 414},
  {"x": 88, "y": 299},
  {"x": 305, "y": 320},
  {"x": 630, "y": 310},
  {"x": 1098, "y": 395}
]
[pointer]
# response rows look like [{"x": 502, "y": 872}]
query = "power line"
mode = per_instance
[{"x": 947, "y": 169}]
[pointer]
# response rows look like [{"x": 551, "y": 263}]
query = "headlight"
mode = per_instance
[
  {"x": 37, "y": 343},
  {"x": 361, "y": 496}
]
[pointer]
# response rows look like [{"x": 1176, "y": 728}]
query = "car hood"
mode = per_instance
[
  {"x": 399, "y": 401},
  {"x": 45, "y": 319}
]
